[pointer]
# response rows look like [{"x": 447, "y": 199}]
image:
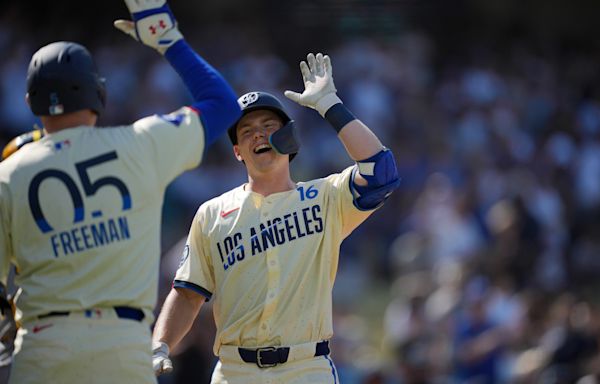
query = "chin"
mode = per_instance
[{"x": 268, "y": 164}]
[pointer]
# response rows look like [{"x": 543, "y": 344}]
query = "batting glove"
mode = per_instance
[
  {"x": 319, "y": 90},
  {"x": 153, "y": 24},
  {"x": 160, "y": 358}
]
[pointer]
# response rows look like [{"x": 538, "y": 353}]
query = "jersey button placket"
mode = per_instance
[
  {"x": 267, "y": 206},
  {"x": 271, "y": 299},
  {"x": 273, "y": 276}
]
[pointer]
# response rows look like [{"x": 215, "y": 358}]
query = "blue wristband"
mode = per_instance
[{"x": 338, "y": 116}]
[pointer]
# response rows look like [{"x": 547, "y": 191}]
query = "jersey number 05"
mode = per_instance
[{"x": 90, "y": 188}]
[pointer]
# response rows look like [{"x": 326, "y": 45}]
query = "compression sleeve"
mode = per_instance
[{"x": 214, "y": 100}]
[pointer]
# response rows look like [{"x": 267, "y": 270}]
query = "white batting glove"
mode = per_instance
[
  {"x": 153, "y": 24},
  {"x": 319, "y": 90},
  {"x": 160, "y": 358}
]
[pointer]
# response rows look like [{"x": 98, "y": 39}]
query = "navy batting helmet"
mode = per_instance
[
  {"x": 283, "y": 140},
  {"x": 63, "y": 78}
]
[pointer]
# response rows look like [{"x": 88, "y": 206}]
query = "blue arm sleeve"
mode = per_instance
[{"x": 214, "y": 99}]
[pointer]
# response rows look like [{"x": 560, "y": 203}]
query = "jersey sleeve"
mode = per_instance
[
  {"x": 175, "y": 141},
  {"x": 195, "y": 270},
  {"x": 348, "y": 214}
]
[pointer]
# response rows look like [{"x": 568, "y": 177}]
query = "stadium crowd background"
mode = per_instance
[{"x": 482, "y": 267}]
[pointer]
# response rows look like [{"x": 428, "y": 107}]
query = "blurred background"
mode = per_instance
[{"x": 483, "y": 267}]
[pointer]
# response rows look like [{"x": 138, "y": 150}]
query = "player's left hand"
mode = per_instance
[
  {"x": 160, "y": 358},
  {"x": 8, "y": 325},
  {"x": 319, "y": 90},
  {"x": 153, "y": 24}
]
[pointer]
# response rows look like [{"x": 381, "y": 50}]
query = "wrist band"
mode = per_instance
[{"x": 338, "y": 116}]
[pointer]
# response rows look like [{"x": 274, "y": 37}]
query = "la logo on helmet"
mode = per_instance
[{"x": 248, "y": 99}]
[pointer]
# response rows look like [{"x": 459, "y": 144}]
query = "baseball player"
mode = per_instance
[
  {"x": 80, "y": 208},
  {"x": 267, "y": 251}
]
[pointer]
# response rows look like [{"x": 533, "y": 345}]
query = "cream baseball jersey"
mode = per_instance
[
  {"x": 270, "y": 262},
  {"x": 81, "y": 211}
]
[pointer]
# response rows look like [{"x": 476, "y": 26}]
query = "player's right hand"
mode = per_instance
[
  {"x": 153, "y": 24},
  {"x": 160, "y": 358},
  {"x": 319, "y": 90}
]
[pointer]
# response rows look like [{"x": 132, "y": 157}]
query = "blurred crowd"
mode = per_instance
[{"x": 482, "y": 268}]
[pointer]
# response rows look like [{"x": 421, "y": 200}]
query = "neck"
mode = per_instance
[
  {"x": 266, "y": 184},
  {"x": 54, "y": 124}
]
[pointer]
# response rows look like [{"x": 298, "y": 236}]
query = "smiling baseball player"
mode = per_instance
[
  {"x": 267, "y": 251},
  {"x": 80, "y": 207}
]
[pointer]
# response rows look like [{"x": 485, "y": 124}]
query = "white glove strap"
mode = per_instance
[
  {"x": 169, "y": 38},
  {"x": 326, "y": 102},
  {"x": 158, "y": 347}
]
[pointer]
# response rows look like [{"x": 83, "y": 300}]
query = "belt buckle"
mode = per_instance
[{"x": 258, "y": 359}]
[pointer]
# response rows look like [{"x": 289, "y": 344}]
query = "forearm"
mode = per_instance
[
  {"x": 360, "y": 142},
  {"x": 213, "y": 97},
  {"x": 377, "y": 175},
  {"x": 177, "y": 316}
]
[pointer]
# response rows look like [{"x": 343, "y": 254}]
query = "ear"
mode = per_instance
[
  {"x": 27, "y": 99},
  {"x": 236, "y": 152}
]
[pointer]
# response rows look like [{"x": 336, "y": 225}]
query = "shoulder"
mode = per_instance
[
  {"x": 334, "y": 179},
  {"x": 114, "y": 133},
  {"x": 184, "y": 115},
  {"x": 210, "y": 209},
  {"x": 27, "y": 155},
  {"x": 6, "y": 169},
  {"x": 8, "y": 166}
]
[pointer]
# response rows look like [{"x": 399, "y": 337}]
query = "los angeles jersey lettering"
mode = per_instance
[
  {"x": 257, "y": 254},
  {"x": 85, "y": 203}
]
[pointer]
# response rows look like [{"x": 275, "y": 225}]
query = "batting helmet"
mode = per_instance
[
  {"x": 63, "y": 78},
  {"x": 283, "y": 140}
]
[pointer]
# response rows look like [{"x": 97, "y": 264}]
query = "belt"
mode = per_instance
[
  {"x": 271, "y": 356},
  {"x": 122, "y": 312}
]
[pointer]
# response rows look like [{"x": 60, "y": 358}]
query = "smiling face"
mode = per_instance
[{"x": 253, "y": 131}]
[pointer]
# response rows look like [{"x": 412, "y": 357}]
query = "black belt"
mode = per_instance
[
  {"x": 271, "y": 356},
  {"x": 122, "y": 312}
]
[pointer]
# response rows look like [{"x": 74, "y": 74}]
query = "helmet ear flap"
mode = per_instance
[{"x": 284, "y": 140}]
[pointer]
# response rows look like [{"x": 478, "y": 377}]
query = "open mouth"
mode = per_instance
[{"x": 262, "y": 148}]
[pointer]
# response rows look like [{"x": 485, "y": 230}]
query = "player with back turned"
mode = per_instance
[
  {"x": 80, "y": 208},
  {"x": 267, "y": 251}
]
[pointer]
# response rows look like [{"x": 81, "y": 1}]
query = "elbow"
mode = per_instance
[
  {"x": 372, "y": 197},
  {"x": 382, "y": 178}
]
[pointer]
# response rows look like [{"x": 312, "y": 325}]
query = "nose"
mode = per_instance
[{"x": 258, "y": 133}]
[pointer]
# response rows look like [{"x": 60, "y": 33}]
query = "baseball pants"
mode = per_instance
[{"x": 82, "y": 349}]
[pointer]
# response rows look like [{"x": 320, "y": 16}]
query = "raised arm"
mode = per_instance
[
  {"x": 377, "y": 176},
  {"x": 154, "y": 25}
]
